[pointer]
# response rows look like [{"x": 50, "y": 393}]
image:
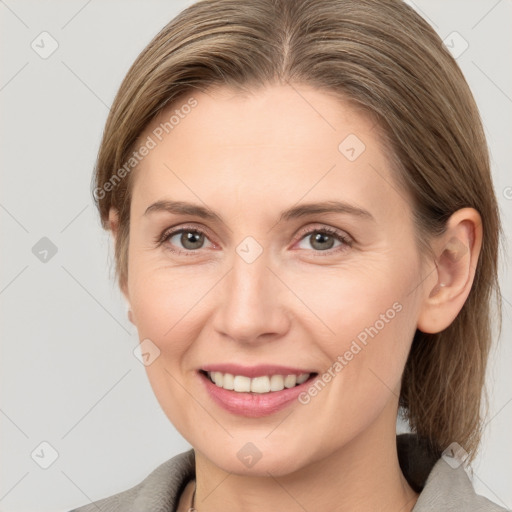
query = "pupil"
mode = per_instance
[
  {"x": 321, "y": 238},
  {"x": 191, "y": 238}
]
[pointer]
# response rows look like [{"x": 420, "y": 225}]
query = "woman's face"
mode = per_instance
[{"x": 254, "y": 285}]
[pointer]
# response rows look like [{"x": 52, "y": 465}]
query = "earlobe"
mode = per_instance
[{"x": 458, "y": 250}]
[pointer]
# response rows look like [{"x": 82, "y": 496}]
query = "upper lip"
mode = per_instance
[{"x": 254, "y": 371}]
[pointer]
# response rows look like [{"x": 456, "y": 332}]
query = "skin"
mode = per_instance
[{"x": 247, "y": 158}]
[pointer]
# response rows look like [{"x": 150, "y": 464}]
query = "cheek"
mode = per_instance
[
  {"x": 358, "y": 301},
  {"x": 167, "y": 306},
  {"x": 171, "y": 307},
  {"x": 372, "y": 317}
]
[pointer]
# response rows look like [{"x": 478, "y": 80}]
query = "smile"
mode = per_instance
[
  {"x": 258, "y": 395},
  {"x": 262, "y": 384}
]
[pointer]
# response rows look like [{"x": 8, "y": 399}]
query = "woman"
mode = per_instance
[{"x": 244, "y": 137}]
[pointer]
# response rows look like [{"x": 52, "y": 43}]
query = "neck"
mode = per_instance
[{"x": 362, "y": 475}]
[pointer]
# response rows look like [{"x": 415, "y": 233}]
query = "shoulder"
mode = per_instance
[
  {"x": 442, "y": 482},
  {"x": 450, "y": 488},
  {"x": 158, "y": 492}
]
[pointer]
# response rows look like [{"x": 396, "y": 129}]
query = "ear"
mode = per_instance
[
  {"x": 458, "y": 250},
  {"x": 113, "y": 227}
]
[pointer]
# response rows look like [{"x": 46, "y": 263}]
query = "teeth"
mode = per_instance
[
  {"x": 218, "y": 378},
  {"x": 276, "y": 383},
  {"x": 264, "y": 384},
  {"x": 228, "y": 382},
  {"x": 303, "y": 377},
  {"x": 260, "y": 385},
  {"x": 290, "y": 381},
  {"x": 241, "y": 383}
]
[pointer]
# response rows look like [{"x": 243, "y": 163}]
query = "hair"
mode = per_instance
[{"x": 386, "y": 60}]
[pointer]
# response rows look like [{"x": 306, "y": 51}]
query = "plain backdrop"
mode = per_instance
[{"x": 69, "y": 377}]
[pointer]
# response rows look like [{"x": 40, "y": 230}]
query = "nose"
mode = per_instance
[{"x": 252, "y": 303}]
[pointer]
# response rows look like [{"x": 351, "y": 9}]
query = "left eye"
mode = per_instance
[{"x": 324, "y": 239}]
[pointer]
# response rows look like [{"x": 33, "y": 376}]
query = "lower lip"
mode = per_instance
[{"x": 253, "y": 405}]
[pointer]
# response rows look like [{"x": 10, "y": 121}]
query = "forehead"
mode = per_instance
[
  {"x": 280, "y": 116},
  {"x": 277, "y": 142}
]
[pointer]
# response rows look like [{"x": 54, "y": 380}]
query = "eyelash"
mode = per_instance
[{"x": 346, "y": 242}]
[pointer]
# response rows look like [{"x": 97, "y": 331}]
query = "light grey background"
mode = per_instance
[{"x": 69, "y": 375}]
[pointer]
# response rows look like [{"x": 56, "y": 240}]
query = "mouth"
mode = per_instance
[
  {"x": 257, "y": 396},
  {"x": 259, "y": 385}
]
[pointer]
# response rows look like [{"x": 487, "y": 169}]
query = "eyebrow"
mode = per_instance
[{"x": 182, "y": 207}]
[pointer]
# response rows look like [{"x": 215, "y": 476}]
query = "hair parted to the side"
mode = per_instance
[{"x": 383, "y": 57}]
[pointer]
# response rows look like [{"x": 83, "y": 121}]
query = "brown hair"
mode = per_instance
[{"x": 383, "y": 57}]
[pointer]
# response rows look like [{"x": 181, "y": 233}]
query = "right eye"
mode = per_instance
[{"x": 188, "y": 240}]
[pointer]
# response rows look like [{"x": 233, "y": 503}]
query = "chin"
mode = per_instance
[{"x": 255, "y": 458}]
